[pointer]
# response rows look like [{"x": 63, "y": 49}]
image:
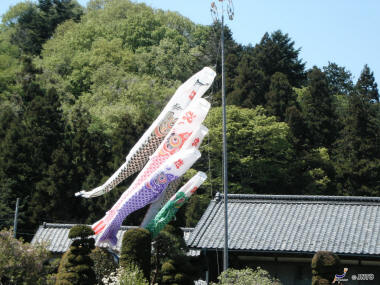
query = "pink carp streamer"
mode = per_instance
[
  {"x": 138, "y": 156},
  {"x": 172, "y": 188},
  {"x": 173, "y": 168},
  {"x": 184, "y": 135}
]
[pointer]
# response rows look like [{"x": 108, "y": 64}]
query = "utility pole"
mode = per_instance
[
  {"x": 15, "y": 218},
  {"x": 215, "y": 15}
]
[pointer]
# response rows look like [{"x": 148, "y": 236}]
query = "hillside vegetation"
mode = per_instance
[{"x": 79, "y": 86}]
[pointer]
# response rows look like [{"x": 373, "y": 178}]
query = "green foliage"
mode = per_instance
[
  {"x": 318, "y": 111},
  {"x": 169, "y": 251},
  {"x": 339, "y": 79},
  {"x": 20, "y": 262},
  {"x": 124, "y": 59},
  {"x": 276, "y": 53},
  {"x": 280, "y": 96},
  {"x": 71, "y": 111},
  {"x": 76, "y": 264},
  {"x": 249, "y": 84},
  {"x": 195, "y": 208},
  {"x": 358, "y": 148},
  {"x": 136, "y": 249},
  {"x": 130, "y": 275},
  {"x": 246, "y": 276},
  {"x": 324, "y": 266},
  {"x": 367, "y": 86},
  {"x": 259, "y": 151},
  {"x": 80, "y": 231},
  {"x": 104, "y": 263},
  {"x": 32, "y": 24},
  {"x": 9, "y": 64},
  {"x": 178, "y": 271}
]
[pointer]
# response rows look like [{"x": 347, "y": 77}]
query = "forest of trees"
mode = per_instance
[{"x": 79, "y": 86}]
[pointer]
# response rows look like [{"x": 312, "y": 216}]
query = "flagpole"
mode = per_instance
[{"x": 230, "y": 12}]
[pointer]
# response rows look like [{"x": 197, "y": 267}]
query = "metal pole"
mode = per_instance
[
  {"x": 225, "y": 178},
  {"x": 15, "y": 218}
]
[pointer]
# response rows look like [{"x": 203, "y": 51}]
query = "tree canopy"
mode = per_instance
[{"x": 79, "y": 86}]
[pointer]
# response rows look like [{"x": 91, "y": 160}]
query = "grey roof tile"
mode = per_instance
[
  {"x": 56, "y": 237},
  {"x": 285, "y": 223}
]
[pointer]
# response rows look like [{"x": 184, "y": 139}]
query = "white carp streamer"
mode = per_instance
[
  {"x": 138, "y": 156},
  {"x": 172, "y": 188}
]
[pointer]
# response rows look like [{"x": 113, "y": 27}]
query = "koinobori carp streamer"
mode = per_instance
[
  {"x": 155, "y": 184},
  {"x": 167, "y": 213},
  {"x": 138, "y": 156},
  {"x": 185, "y": 135}
]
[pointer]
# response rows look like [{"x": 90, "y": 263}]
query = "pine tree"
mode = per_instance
[
  {"x": 358, "y": 149},
  {"x": 76, "y": 264},
  {"x": 319, "y": 113},
  {"x": 280, "y": 96},
  {"x": 366, "y": 85},
  {"x": 233, "y": 52},
  {"x": 136, "y": 250},
  {"x": 276, "y": 53},
  {"x": 249, "y": 85},
  {"x": 37, "y": 23},
  {"x": 339, "y": 79}
]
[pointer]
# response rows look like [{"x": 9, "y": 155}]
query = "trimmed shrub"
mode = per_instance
[
  {"x": 136, "y": 250},
  {"x": 76, "y": 264},
  {"x": 172, "y": 266},
  {"x": 80, "y": 231},
  {"x": 177, "y": 271},
  {"x": 324, "y": 266}
]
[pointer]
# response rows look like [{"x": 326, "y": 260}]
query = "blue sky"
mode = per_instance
[{"x": 342, "y": 31}]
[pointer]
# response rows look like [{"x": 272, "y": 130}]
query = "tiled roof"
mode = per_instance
[
  {"x": 55, "y": 236},
  {"x": 292, "y": 224}
]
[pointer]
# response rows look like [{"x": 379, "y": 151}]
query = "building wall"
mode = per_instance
[{"x": 290, "y": 270}]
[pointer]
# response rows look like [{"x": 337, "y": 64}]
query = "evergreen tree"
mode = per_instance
[
  {"x": 136, "y": 250},
  {"x": 37, "y": 22},
  {"x": 358, "y": 149},
  {"x": 233, "y": 52},
  {"x": 276, "y": 53},
  {"x": 280, "y": 96},
  {"x": 76, "y": 264},
  {"x": 172, "y": 266},
  {"x": 324, "y": 266},
  {"x": 318, "y": 112},
  {"x": 339, "y": 79},
  {"x": 249, "y": 85},
  {"x": 366, "y": 85},
  {"x": 295, "y": 121}
]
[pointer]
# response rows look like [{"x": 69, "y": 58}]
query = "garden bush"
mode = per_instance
[
  {"x": 246, "y": 276},
  {"x": 76, "y": 264},
  {"x": 324, "y": 266},
  {"x": 136, "y": 250}
]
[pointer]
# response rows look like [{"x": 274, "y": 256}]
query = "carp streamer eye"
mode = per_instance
[
  {"x": 161, "y": 179},
  {"x": 175, "y": 141}
]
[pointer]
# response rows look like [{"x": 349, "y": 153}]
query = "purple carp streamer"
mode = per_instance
[
  {"x": 166, "y": 214},
  {"x": 172, "y": 188},
  {"x": 173, "y": 168},
  {"x": 138, "y": 156}
]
